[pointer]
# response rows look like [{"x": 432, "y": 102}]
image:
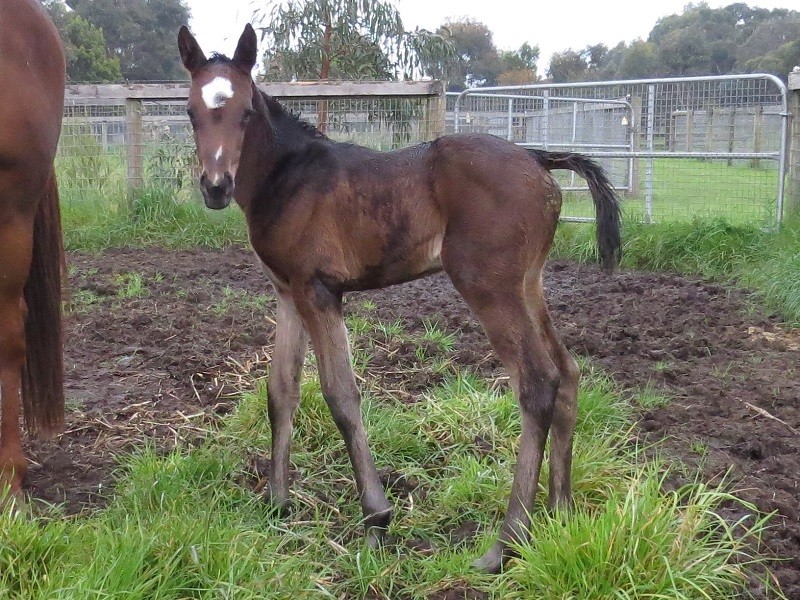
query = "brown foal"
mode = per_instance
[
  {"x": 31, "y": 104},
  {"x": 327, "y": 218}
]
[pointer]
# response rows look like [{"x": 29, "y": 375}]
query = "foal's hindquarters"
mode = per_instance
[{"x": 494, "y": 253}]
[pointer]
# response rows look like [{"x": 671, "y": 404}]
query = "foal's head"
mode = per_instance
[{"x": 220, "y": 107}]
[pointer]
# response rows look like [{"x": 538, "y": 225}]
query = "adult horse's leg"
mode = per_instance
[
  {"x": 566, "y": 407},
  {"x": 497, "y": 297},
  {"x": 291, "y": 342},
  {"x": 321, "y": 311},
  {"x": 15, "y": 250}
]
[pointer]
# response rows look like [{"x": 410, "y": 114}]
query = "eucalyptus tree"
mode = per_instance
[{"x": 344, "y": 39}]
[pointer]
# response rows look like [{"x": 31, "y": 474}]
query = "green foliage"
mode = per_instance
[
  {"x": 343, "y": 39},
  {"x": 632, "y": 546},
  {"x": 698, "y": 41},
  {"x": 151, "y": 216},
  {"x": 140, "y": 34},
  {"x": 475, "y": 60},
  {"x": 87, "y": 59},
  {"x": 82, "y": 161},
  {"x": 173, "y": 165}
]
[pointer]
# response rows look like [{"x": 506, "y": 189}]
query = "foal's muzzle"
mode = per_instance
[{"x": 217, "y": 194}]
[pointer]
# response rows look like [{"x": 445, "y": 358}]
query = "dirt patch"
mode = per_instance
[{"x": 152, "y": 329}]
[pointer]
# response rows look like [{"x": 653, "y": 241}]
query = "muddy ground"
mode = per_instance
[{"x": 155, "y": 338}]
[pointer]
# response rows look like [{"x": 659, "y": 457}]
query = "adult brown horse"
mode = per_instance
[
  {"x": 327, "y": 218},
  {"x": 32, "y": 80}
]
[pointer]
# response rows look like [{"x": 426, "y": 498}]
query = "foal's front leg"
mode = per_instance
[
  {"x": 291, "y": 343},
  {"x": 321, "y": 310}
]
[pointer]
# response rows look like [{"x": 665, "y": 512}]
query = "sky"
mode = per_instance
[{"x": 553, "y": 25}]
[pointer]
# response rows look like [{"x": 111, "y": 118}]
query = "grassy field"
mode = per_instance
[
  {"x": 690, "y": 189},
  {"x": 187, "y": 525}
]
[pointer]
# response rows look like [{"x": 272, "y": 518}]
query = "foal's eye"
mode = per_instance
[
  {"x": 191, "y": 116},
  {"x": 246, "y": 118}
]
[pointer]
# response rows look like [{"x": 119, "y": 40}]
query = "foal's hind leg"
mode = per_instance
[
  {"x": 15, "y": 250},
  {"x": 523, "y": 348},
  {"x": 566, "y": 407},
  {"x": 321, "y": 310},
  {"x": 291, "y": 342}
]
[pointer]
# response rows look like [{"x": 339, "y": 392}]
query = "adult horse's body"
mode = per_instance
[
  {"x": 326, "y": 218},
  {"x": 31, "y": 98}
]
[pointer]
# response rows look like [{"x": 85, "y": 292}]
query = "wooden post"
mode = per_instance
[
  {"x": 792, "y": 203},
  {"x": 133, "y": 144},
  {"x": 437, "y": 110}
]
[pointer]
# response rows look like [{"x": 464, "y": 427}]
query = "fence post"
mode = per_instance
[
  {"x": 133, "y": 144},
  {"x": 792, "y": 204},
  {"x": 437, "y": 107}
]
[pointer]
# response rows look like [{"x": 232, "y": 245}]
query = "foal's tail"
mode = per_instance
[
  {"x": 606, "y": 202},
  {"x": 43, "y": 376}
]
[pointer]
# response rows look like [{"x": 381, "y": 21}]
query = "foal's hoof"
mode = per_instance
[
  {"x": 492, "y": 561},
  {"x": 375, "y": 537},
  {"x": 377, "y": 524},
  {"x": 281, "y": 508}
]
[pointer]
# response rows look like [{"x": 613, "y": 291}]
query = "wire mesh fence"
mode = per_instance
[
  {"x": 120, "y": 138},
  {"x": 677, "y": 149}
]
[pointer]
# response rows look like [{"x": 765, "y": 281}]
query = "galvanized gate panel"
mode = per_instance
[{"x": 676, "y": 148}]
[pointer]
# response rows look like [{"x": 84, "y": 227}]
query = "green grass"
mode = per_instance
[
  {"x": 747, "y": 255},
  {"x": 187, "y": 525},
  {"x": 153, "y": 216},
  {"x": 688, "y": 189}
]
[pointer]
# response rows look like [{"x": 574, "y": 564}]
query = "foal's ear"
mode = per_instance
[
  {"x": 245, "y": 56},
  {"x": 191, "y": 53}
]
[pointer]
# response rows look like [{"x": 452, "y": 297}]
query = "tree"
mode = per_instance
[
  {"x": 474, "y": 61},
  {"x": 518, "y": 67},
  {"x": 84, "y": 47},
  {"x": 344, "y": 39},
  {"x": 638, "y": 62},
  {"x": 684, "y": 51},
  {"x": 768, "y": 36},
  {"x": 567, "y": 66},
  {"x": 140, "y": 33}
]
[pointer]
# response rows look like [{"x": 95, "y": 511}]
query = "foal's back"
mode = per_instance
[{"x": 364, "y": 219}]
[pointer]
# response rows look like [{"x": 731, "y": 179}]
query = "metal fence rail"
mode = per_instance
[{"x": 678, "y": 148}]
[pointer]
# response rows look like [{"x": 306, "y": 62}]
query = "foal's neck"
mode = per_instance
[{"x": 270, "y": 138}]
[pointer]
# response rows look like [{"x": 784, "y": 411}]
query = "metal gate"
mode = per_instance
[{"x": 676, "y": 148}]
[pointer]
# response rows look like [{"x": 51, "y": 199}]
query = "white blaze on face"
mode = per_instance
[
  {"x": 217, "y": 91},
  {"x": 218, "y": 155}
]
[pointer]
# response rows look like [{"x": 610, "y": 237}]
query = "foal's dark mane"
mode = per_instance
[{"x": 281, "y": 115}]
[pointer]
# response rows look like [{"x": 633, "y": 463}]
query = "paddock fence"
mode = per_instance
[
  {"x": 117, "y": 139},
  {"x": 676, "y": 148}
]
